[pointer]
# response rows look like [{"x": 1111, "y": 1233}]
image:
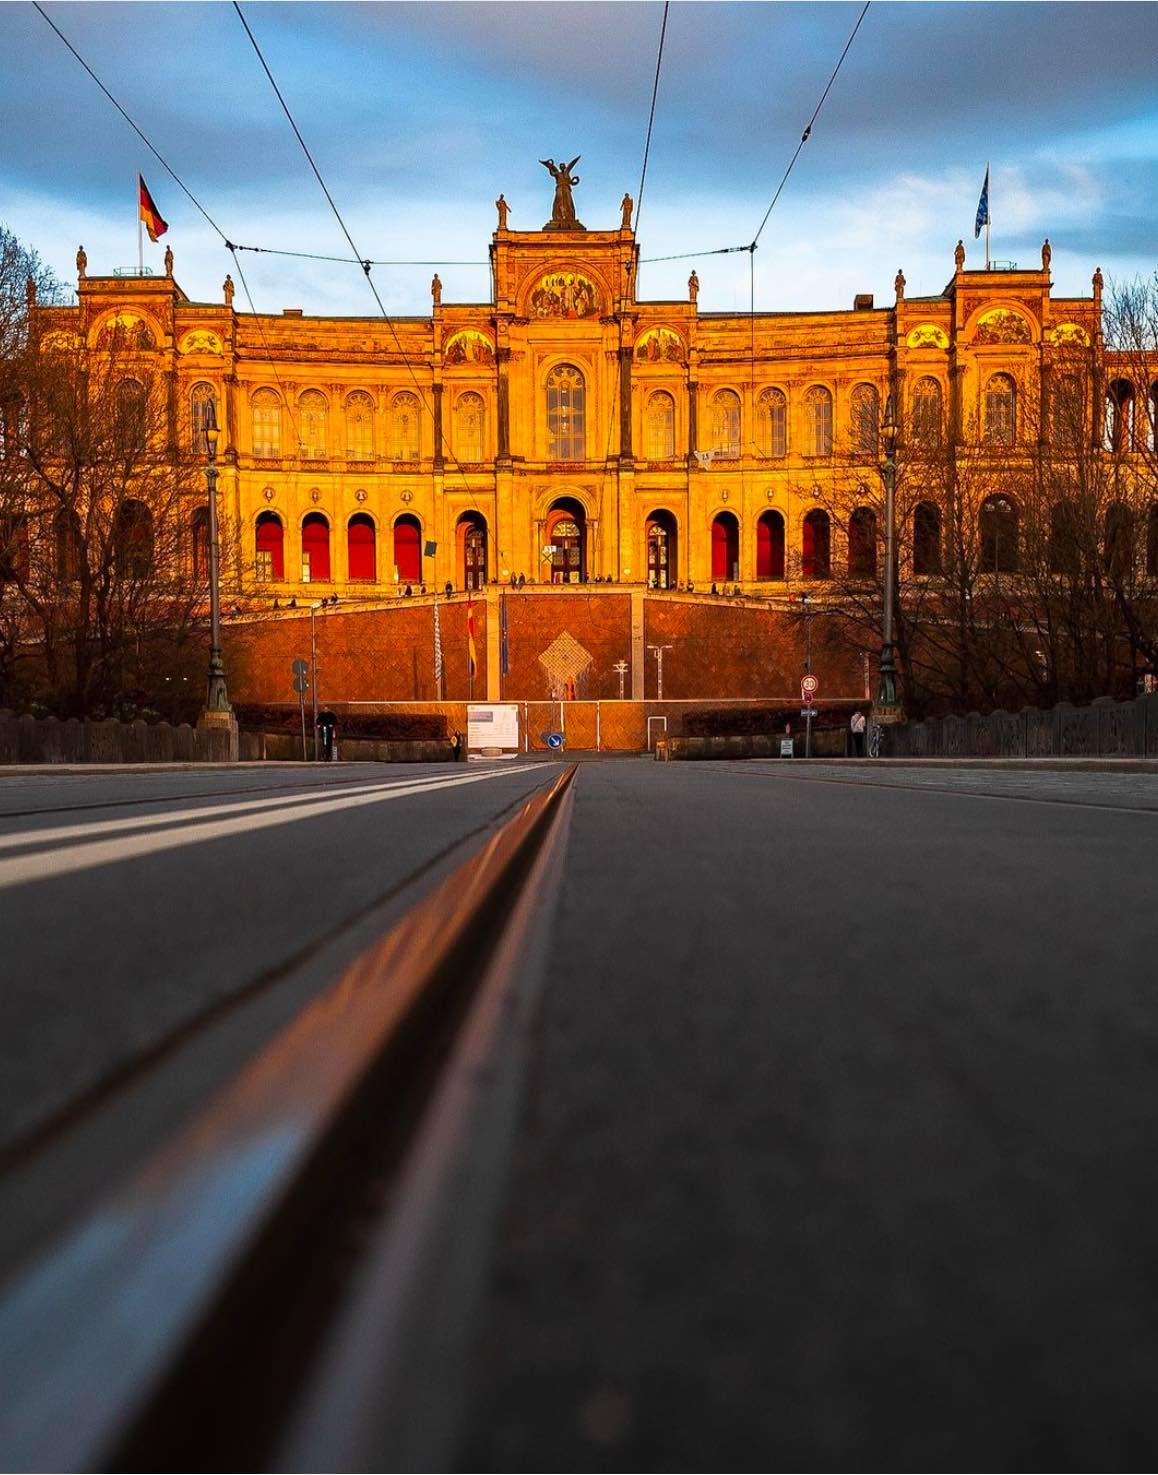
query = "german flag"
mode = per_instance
[
  {"x": 151, "y": 216},
  {"x": 470, "y": 645}
]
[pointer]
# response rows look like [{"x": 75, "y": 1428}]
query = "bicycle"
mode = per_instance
[{"x": 874, "y": 740}]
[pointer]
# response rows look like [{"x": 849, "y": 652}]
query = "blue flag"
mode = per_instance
[{"x": 982, "y": 207}]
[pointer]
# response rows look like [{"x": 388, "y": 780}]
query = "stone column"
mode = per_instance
[
  {"x": 438, "y": 456},
  {"x": 625, "y": 417},
  {"x": 504, "y": 403},
  {"x": 693, "y": 395}
]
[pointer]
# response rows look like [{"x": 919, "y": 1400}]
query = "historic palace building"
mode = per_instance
[{"x": 567, "y": 430}]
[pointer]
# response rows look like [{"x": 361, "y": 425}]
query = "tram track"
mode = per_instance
[{"x": 194, "y": 1318}]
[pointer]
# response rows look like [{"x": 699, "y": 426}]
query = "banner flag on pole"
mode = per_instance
[
  {"x": 437, "y": 642},
  {"x": 472, "y": 653},
  {"x": 982, "y": 207},
  {"x": 154, "y": 223}
]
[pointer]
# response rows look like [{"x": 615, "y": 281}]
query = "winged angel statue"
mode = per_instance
[{"x": 563, "y": 210}]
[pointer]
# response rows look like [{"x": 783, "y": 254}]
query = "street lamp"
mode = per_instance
[
  {"x": 887, "y": 709},
  {"x": 218, "y": 712}
]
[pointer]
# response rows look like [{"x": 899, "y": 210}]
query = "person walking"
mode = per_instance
[{"x": 856, "y": 727}]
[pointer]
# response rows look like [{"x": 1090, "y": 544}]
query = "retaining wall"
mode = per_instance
[
  {"x": 1104, "y": 729},
  {"x": 47, "y": 740}
]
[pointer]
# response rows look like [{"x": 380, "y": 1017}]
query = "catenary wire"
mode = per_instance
[
  {"x": 651, "y": 118},
  {"x": 365, "y": 265}
]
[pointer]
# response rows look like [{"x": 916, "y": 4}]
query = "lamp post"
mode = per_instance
[
  {"x": 218, "y": 713},
  {"x": 887, "y": 709},
  {"x": 657, "y": 651}
]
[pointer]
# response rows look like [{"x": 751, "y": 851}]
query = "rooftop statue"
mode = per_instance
[{"x": 563, "y": 209}]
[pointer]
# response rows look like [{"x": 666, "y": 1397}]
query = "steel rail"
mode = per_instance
[{"x": 176, "y": 1324}]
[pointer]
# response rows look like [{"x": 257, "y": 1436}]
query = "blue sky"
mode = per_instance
[{"x": 418, "y": 115}]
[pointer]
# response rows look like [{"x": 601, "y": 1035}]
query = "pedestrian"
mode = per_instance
[{"x": 856, "y": 727}]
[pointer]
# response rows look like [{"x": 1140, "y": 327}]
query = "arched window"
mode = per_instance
[
  {"x": 1120, "y": 415},
  {"x": 130, "y": 417},
  {"x": 408, "y": 549},
  {"x": 862, "y": 544},
  {"x": 818, "y": 420},
  {"x": 662, "y": 567},
  {"x": 1063, "y": 540},
  {"x": 133, "y": 540},
  {"x": 566, "y": 529},
  {"x": 471, "y": 536},
  {"x": 199, "y": 541},
  {"x": 770, "y": 546},
  {"x": 927, "y": 538},
  {"x": 1066, "y": 411},
  {"x": 315, "y": 548},
  {"x": 266, "y": 425},
  {"x": 470, "y": 427},
  {"x": 312, "y": 426},
  {"x": 773, "y": 420},
  {"x": 1152, "y": 540},
  {"x": 926, "y": 418},
  {"x": 201, "y": 398},
  {"x": 360, "y": 548},
  {"x": 1119, "y": 542},
  {"x": 659, "y": 427},
  {"x": 405, "y": 442},
  {"x": 866, "y": 418},
  {"x": 726, "y": 423},
  {"x": 999, "y": 519},
  {"x": 359, "y": 426},
  {"x": 1000, "y": 411},
  {"x": 15, "y": 561},
  {"x": 1152, "y": 404},
  {"x": 566, "y": 414},
  {"x": 725, "y": 546},
  {"x": 270, "y": 562},
  {"x": 69, "y": 547},
  {"x": 816, "y": 552}
]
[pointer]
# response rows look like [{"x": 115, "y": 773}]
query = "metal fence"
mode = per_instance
[{"x": 1105, "y": 729}]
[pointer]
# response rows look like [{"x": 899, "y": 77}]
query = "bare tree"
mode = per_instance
[{"x": 106, "y": 524}]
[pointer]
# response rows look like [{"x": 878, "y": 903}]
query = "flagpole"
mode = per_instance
[
  {"x": 140, "y": 237},
  {"x": 988, "y": 214}
]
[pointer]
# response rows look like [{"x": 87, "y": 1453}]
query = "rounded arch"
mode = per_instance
[
  {"x": 1118, "y": 542},
  {"x": 862, "y": 544},
  {"x": 926, "y": 411},
  {"x": 131, "y": 412},
  {"x": 1120, "y": 409},
  {"x": 315, "y": 548},
  {"x": 661, "y": 536},
  {"x": 313, "y": 415},
  {"x": 725, "y": 546},
  {"x": 550, "y": 281},
  {"x": 659, "y": 426},
  {"x": 269, "y": 543},
  {"x": 469, "y": 418},
  {"x": 133, "y": 539},
  {"x": 265, "y": 408},
  {"x": 405, "y": 426},
  {"x": 199, "y": 542},
  {"x": 566, "y": 389},
  {"x": 470, "y": 538},
  {"x": 407, "y": 548},
  {"x": 865, "y": 418},
  {"x": 927, "y": 538},
  {"x": 1001, "y": 322},
  {"x": 818, "y": 420},
  {"x": 1000, "y": 410},
  {"x": 565, "y": 530},
  {"x": 202, "y": 402},
  {"x": 772, "y": 417},
  {"x": 816, "y": 545},
  {"x": 359, "y": 412},
  {"x": 361, "y": 548},
  {"x": 770, "y": 545},
  {"x": 126, "y": 332},
  {"x": 726, "y": 423},
  {"x": 999, "y": 520}
]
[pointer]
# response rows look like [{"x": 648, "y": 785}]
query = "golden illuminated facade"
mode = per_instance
[{"x": 569, "y": 430}]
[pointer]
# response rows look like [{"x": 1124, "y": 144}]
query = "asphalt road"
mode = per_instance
[
  {"x": 839, "y": 1148},
  {"x": 838, "y": 1144},
  {"x": 134, "y": 904}
]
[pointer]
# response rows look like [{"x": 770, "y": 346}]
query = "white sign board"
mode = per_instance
[
  {"x": 492, "y": 727},
  {"x": 786, "y": 748}
]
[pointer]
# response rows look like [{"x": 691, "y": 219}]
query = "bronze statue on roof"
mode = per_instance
[{"x": 563, "y": 208}]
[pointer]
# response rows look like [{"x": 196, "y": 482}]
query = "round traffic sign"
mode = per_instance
[
  {"x": 554, "y": 740},
  {"x": 809, "y": 684}
]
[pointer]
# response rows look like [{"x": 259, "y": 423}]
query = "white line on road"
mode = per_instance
[
  {"x": 90, "y": 830},
  {"x": 43, "y": 865}
]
